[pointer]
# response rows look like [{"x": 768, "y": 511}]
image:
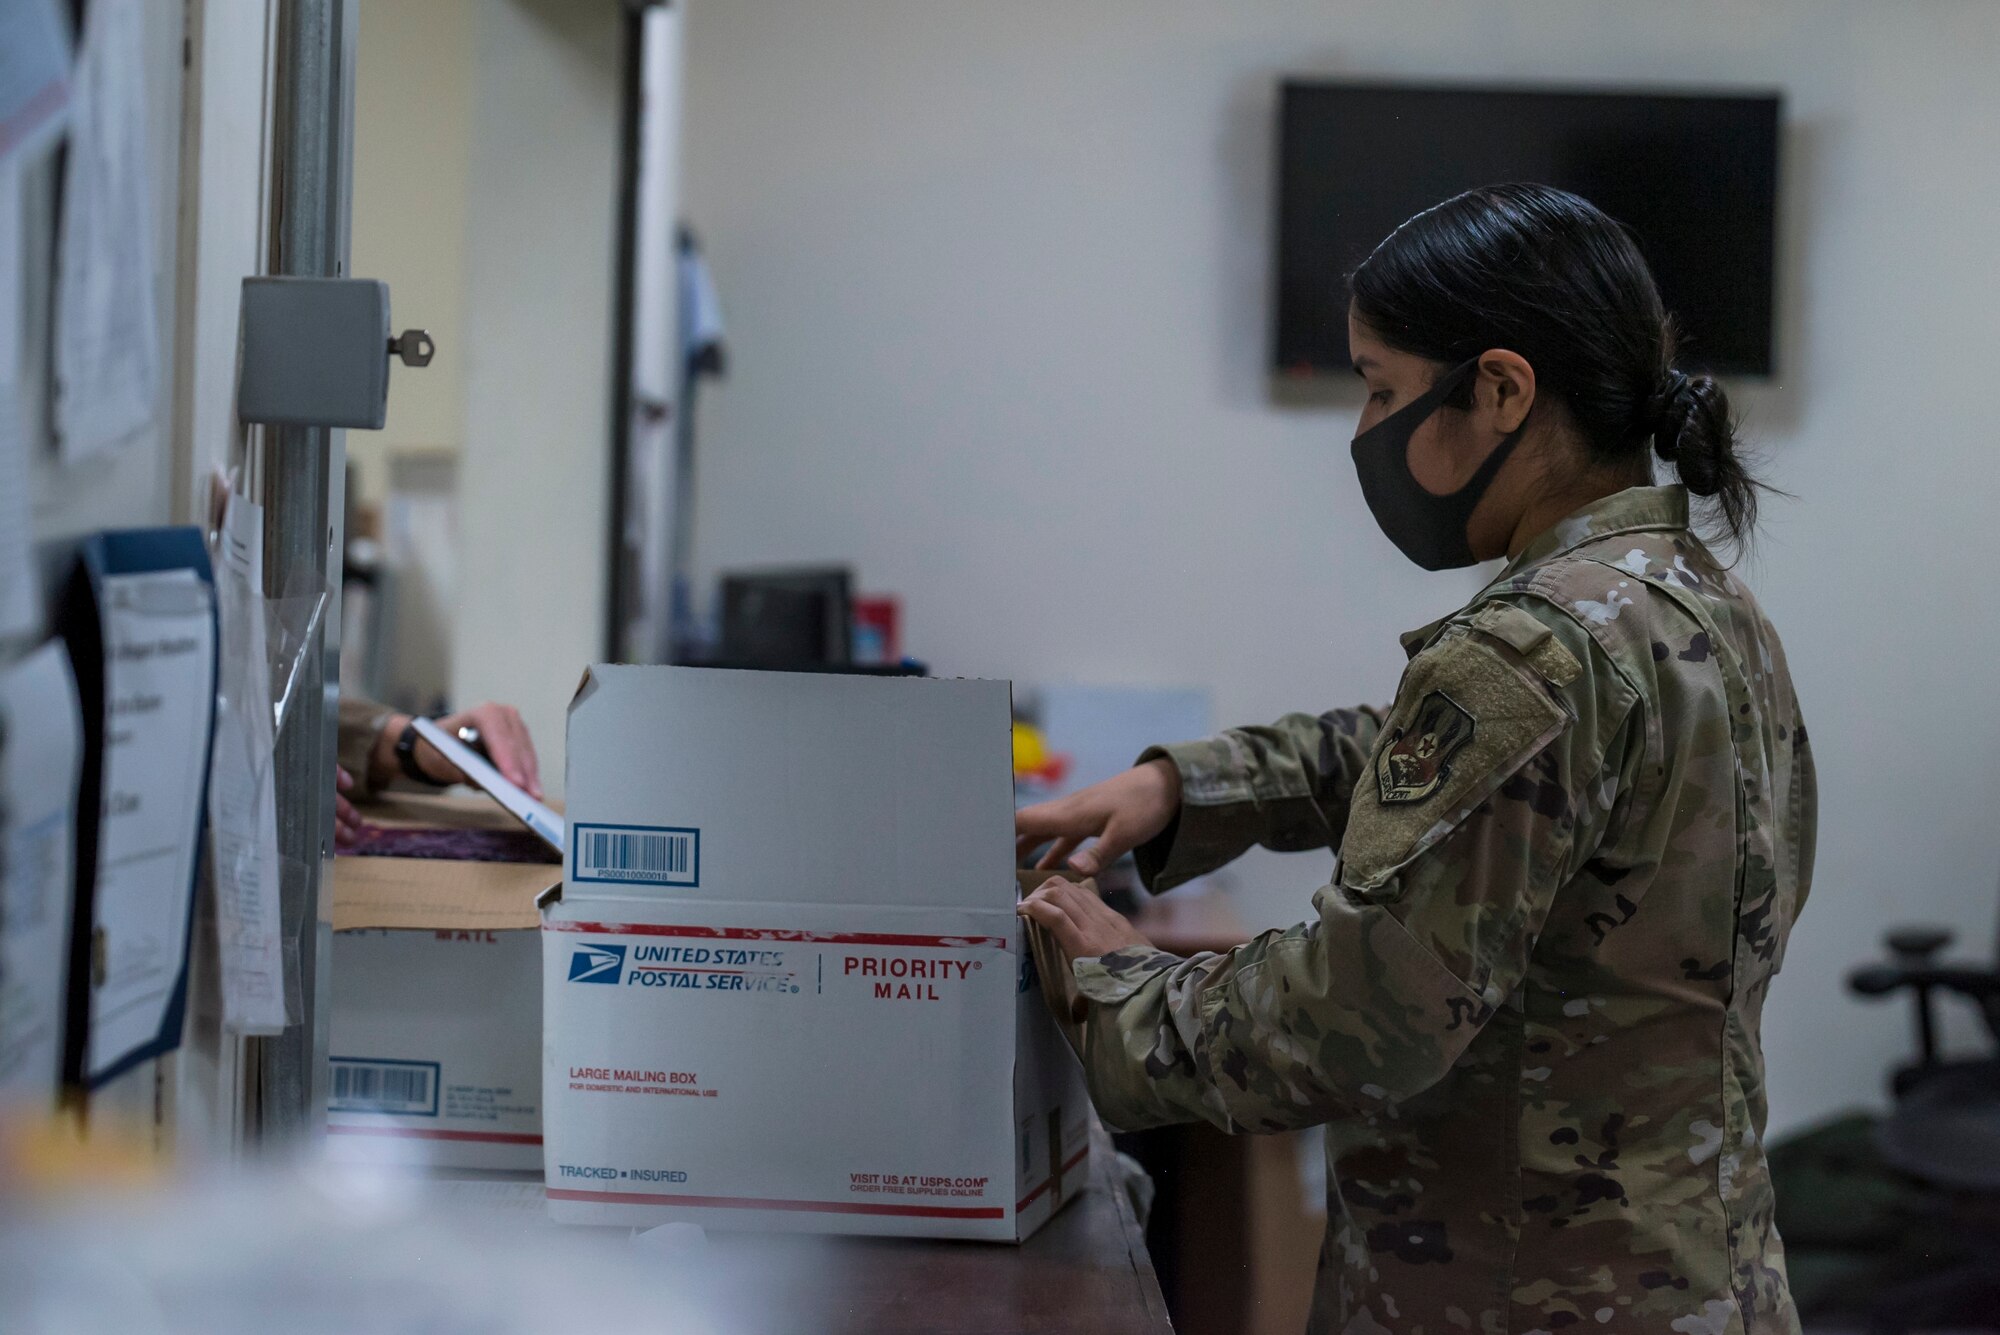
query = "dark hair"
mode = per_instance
[{"x": 1547, "y": 275}]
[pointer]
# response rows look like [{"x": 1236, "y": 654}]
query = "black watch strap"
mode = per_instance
[{"x": 406, "y": 757}]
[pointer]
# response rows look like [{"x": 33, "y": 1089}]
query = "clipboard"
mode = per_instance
[{"x": 102, "y": 560}]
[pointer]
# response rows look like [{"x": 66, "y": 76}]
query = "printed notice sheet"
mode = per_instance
[
  {"x": 20, "y": 598},
  {"x": 159, "y": 683},
  {"x": 41, "y": 751},
  {"x": 107, "y": 343},
  {"x": 242, "y": 812}
]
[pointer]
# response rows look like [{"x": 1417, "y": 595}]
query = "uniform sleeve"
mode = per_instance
[
  {"x": 361, "y": 721},
  {"x": 1493, "y": 780},
  {"x": 1285, "y": 787}
]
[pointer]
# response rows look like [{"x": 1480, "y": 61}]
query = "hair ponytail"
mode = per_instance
[{"x": 1694, "y": 430}]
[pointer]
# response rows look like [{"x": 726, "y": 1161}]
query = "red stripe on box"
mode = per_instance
[
  {"x": 764, "y": 934},
  {"x": 1036, "y": 1194},
  {"x": 752, "y": 1203},
  {"x": 425, "y": 1133}
]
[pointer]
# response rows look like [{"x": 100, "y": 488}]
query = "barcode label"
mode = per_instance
[
  {"x": 384, "y": 1087},
  {"x": 637, "y": 855}
]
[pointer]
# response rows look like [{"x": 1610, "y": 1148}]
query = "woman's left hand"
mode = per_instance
[
  {"x": 1082, "y": 923},
  {"x": 508, "y": 746},
  {"x": 500, "y": 728}
]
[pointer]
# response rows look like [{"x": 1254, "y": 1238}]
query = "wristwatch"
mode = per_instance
[{"x": 406, "y": 757}]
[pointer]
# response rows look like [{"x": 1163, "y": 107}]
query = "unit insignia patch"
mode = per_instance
[{"x": 1417, "y": 759}]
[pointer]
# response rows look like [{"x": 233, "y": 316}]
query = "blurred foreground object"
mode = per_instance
[
  {"x": 312, "y": 1252},
  {"x": 44, "y": 1157},
  {"x": 319, "y": 1250}
]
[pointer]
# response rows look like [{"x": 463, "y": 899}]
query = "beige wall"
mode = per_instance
[
  {"x": 996, "y": 279},
  {"x": 541, "y": 210},
  {"x": 486, "y": 148},
  {"x": 412, "y": 155}
]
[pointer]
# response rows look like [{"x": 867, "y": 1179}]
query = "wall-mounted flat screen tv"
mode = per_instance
[{"x": 1694, "y": 175}]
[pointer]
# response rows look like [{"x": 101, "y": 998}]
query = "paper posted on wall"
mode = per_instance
[
  {"x": 34, "y": 106},
  {"x": 159, "y": 686},
  {"x": 41, "y": 752},
  {"x": 242, "y": 811},
  {"x": 20, "y": 595},
  {"x": 107, "y": 343}
]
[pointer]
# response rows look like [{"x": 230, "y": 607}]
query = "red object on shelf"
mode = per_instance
[
  {"x": 878, "y": 635},
  {"x": 1053, "y": 771}
]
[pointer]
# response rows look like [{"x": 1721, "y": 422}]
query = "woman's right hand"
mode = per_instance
[{"x": 1120, "y": 814}]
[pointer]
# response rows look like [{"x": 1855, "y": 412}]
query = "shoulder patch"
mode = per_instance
[
  {"x": 1415, "y": 761},
  {"x": 1472, "y": 710}
]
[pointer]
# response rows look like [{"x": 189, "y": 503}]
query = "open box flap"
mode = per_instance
[
  {"x": 809, "y": 789},
  {"x": 427, "y": 894}
]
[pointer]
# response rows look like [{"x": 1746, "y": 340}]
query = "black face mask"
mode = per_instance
[{"x": 1429, "y": 529}]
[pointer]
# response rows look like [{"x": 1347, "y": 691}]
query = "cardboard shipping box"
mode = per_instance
[
  {"x": 784, "y": 985},
  {"x": 437, "y": 1000}
]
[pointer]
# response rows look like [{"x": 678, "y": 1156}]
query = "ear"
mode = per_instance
[{"x": 1506, "y": 384}]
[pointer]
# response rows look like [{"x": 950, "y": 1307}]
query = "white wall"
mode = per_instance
[
  {"x": 540, "y": 230},
  {"x": 996, "y": 277}
]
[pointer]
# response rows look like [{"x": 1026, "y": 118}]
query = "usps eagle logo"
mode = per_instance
[
  {"x": 1417, "y": 761},
  {"x": 596, "y": 964}
]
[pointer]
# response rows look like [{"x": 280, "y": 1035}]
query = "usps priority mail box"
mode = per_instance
[
  {"x": 784, "y": 986},
  {"x": 436, "y": 1025},
  {"x": 435, "y": 1046}
]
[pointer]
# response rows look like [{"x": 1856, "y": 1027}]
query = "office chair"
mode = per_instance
[{"x": 1945, "y": 1132}]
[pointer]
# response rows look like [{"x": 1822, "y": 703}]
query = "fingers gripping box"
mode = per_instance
[{"x": 784, "y": 985}]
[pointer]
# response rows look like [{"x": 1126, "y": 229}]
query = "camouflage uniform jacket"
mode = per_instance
[{"x": 1527, "y": 1010}]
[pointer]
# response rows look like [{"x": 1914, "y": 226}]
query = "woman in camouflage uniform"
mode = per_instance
[{"x": 1527, "y": 1006}]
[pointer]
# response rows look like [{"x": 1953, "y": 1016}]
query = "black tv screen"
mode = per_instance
[{"x": 1694, "y": 176}]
